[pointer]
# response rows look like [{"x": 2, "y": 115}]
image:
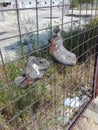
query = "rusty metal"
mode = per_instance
[{"x": 96, "y": 72}]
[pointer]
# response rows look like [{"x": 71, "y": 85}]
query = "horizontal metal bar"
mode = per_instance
[
  {"x": 23, "y": 34},
  {"x": 33, "y": 8}
]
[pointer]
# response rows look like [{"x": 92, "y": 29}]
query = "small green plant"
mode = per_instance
[
  {"x": 51, "y": 90},
  {"x": 80, "y": 41}
]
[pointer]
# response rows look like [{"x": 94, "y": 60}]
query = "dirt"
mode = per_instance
[{"x": 86, "y": 124}]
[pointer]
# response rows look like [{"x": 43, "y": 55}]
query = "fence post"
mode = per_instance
[{"x": 96, "y": 72}]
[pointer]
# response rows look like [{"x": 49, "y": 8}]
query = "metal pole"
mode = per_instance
[
  {"x": 96, "y": 73},
  {"x": 19, "y": 28}
]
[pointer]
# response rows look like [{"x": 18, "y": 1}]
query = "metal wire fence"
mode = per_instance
[{"x": 58, "y": 99}]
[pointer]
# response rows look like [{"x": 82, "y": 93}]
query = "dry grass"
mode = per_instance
[{"x": 45, "y": 102}]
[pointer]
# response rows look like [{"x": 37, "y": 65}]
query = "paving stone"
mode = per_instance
[{"x": 92, "y": 111}]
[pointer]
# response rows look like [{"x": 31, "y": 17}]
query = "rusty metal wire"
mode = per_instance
[{"x": 58, "y": 99}]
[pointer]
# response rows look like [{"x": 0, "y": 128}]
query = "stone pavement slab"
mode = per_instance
[{"x": 92, "y": 111}]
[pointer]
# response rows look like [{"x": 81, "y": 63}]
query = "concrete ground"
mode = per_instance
[
  {"x": 28, "y": 23},
  {"x": 89, "y": 120}
]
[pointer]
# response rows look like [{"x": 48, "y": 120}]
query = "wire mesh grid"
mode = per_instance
[{"x": 56, "y": 100}]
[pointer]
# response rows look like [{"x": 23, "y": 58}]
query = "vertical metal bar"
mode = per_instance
[
  {"x": 45, "y": 109},
  {"x": 71, "y": 44},
  {"x": 71, "y": 28},
  {"x": 63, "y": 6},
  {"x": 50, "y": 18},
  {"x": 30, "y": 96},
  {"x": 96, "y": 29},
  {"x": 55, "y": 96},
  {"x": 6, "y": 76},
  {"x": 89, "y": 36},
  {"x": 62, "y": 28},
  {"x": 54, "y": 73},
  {"x": 3, "y": 65},
  {"x": 95, "y": 93},
  {"x": 37, "y": 27},
  {"x": 19, "y": 29}
]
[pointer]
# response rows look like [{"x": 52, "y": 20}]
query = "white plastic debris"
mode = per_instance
[{"x": 72, "y": 102}]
